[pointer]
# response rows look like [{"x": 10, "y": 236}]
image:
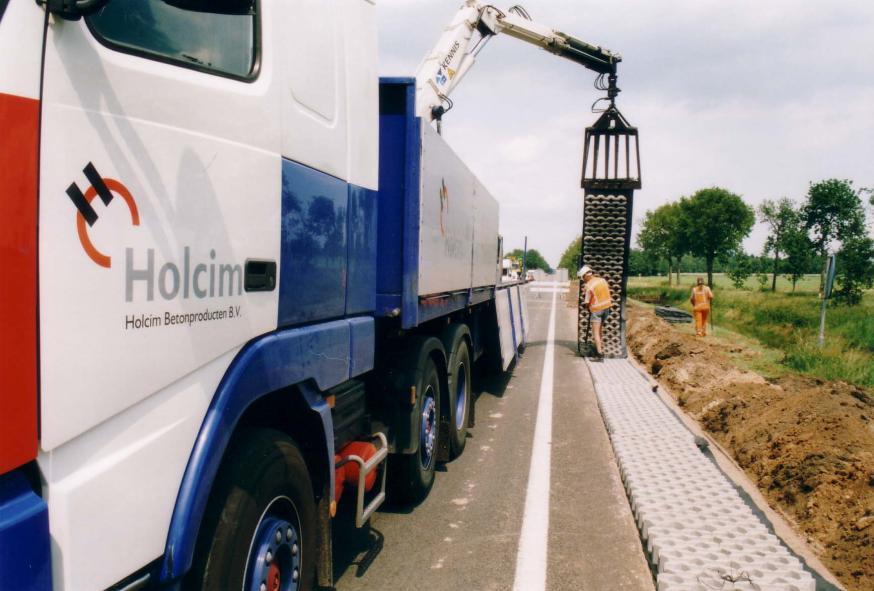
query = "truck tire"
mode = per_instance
[
  {"x": 460, "y": 395},
  {"x": 414, "y": 473},
  {"x": 260, "y": 523}
]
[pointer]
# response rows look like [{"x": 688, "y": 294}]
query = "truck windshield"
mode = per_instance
[
  {"x": 3, "y": 4},
  {"x": 220, "y": 43}
]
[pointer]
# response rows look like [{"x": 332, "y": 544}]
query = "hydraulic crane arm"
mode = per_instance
[{"x": 474, "y": 24}]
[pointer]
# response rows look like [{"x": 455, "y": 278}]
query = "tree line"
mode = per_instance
[
  {"x": 704, "y": 232},
  {"x": 642, "y": 264},
  {"x": 533, "y": 259}
]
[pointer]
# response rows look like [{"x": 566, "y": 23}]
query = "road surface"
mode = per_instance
[{"x": 567, "y": 512}]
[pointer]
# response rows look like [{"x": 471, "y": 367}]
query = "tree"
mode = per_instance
[
  {"x": 780, "y": 216},
  {"x": 571, "y": 258},
  {"x": 833, "y": 211},
  {"x": 798, "y": 250},
  {"x": 739, "y": 269},
  {"x": 640, "y": 263},
  {"x": 533, "y": 259},
  {"x": 662, "y": 236},
  {"x": 855, "y": 269},
  {"x": 716, "y": 221}
]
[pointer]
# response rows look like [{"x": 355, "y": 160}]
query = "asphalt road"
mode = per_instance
[{"x": 569, "y": 512}]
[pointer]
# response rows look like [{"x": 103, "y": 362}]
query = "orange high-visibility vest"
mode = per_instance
[
  {"x": 701, "y": 298},
  {"x": 599, "y": 294}
]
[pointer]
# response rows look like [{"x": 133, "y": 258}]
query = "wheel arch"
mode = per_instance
[
  {"x": 278, "y": 369},
  {"x": 439, "y": 354},
  {"x": 441, "y": 360},
  {"x": 448, "y": 336},
  {"x": 289, "y": 410},
  {"x": 420, "y": 348}
]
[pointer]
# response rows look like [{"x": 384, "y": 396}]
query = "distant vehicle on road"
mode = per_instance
[{"x": 509, "y": 270}]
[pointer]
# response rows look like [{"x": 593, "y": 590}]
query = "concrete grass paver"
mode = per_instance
[{"x": 594, "y": 543}]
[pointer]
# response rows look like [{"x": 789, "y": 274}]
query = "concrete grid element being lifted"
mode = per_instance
[
  {"x": 698, "y": 532},
  {"x": 605, "y": 248}
]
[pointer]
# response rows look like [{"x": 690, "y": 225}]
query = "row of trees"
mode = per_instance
[
  {"x": 646, "y": 262},
  {"x": 533, "y": 259},
  {"x": 571, "y": 258},
  {"x": 712, "y": 223},
  {"x": 641, "y": 263}
]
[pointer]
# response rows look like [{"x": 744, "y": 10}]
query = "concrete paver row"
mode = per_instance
[{"x": 699, "y": 533}]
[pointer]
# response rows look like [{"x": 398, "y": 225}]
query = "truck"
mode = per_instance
[{"x": 245, "y": 279}]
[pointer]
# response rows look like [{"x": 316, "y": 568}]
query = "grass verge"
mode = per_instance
[{"x": 785, "y": 322}]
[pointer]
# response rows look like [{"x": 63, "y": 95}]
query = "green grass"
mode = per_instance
[
  {"x": 788, "y": 322},
  {"x": 808, "y": 283}
]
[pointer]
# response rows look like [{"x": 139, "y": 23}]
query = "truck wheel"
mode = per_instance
[
  {"x": 415, "y": 471},
  {"x": 259, "y": 529},
  {"x": 460, "y": 396}
]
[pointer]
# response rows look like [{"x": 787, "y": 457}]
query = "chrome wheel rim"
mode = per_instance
[
  {"x": 428, "y": 429},
  {"x": 274, "y": 560},
  {"x": 460, "y": 397}
]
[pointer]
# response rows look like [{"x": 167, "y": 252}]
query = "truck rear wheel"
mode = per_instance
[
  {"x": 415, "y": 472},
  {"x": 259, "y": 530},
  {"x": 459, "y": 395}
]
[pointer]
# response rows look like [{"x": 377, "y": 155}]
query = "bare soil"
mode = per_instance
[{"x": 807, "y": 443}]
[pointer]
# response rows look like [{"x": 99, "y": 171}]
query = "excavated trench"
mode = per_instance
[{"x": 807, "y": 443}]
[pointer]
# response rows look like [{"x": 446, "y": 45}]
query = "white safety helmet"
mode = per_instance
[{"x": 584, "y": 270}]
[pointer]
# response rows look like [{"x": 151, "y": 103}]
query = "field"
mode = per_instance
[{"x": 782, "y": 326}]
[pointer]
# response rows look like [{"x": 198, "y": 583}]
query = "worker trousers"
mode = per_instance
[{"x": 701, "y": 322}]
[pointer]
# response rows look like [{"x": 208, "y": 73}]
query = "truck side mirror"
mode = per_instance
[{"x": 73, "y": 10}]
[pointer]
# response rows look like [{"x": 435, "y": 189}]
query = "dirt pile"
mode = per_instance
[{"x": 807, "y": 443}]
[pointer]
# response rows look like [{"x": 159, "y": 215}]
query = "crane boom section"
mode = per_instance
[{"x": 471, "y": 28}]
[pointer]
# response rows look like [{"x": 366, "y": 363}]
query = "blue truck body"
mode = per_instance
[
  {"x": 348, "y": 285},
  {"x": 375, "y": 292}
]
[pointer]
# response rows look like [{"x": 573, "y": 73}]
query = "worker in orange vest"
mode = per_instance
[
  {"x": 701, "y": 298},
  {"x": 598, "y": 299}
]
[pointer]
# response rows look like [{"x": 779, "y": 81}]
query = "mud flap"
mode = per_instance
[
  {"x": 443, "y": 454},
  {"x": 325, "y": 559}
]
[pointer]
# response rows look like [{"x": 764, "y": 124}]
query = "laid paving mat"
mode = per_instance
[{"x": 699, "y": 533}]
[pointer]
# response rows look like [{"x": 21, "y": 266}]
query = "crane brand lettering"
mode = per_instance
[{"x": 449, "y": 56}]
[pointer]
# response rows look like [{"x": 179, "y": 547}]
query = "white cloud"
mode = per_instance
[
  {"x": 522, "y": 149},
  {"x": 758, "y": 97}
]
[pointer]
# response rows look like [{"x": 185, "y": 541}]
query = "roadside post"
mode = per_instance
[
  {"x": 525, "y": 258},
  {"x": 711, "y": 317},
  {"x": 826, "y": 294}
]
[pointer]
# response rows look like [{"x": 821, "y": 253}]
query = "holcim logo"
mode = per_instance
[
  {"x": 190, "y": 279},
  {"x": 86, "y": 214},
  {"x": 187, "y": 279}
]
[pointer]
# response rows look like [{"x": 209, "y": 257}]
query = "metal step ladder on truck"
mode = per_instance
[{"x": 242, "y": 273}]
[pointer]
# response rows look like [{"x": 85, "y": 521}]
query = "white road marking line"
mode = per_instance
[
  {"x": 534, "y": 538},
  {"x": 549, "y": 283}
]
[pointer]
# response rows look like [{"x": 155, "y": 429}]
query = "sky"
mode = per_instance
[{"x": 760, "y": 97}]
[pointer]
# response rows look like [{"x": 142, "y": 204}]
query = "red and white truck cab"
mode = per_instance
[
  {"x": 240, "y": 271},
  {"x": 145, "y": 150}
]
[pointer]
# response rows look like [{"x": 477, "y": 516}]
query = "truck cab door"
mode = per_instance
[{"x": 159, "y": 180}]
